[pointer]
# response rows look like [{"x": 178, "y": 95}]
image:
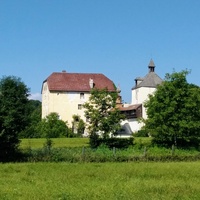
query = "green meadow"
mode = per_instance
[
  {"x": 88, "y": 180},
  {"x": 136, "y": 180},
  {"x": 75, "y": 150},
  {"x": 36, "y": 143},
  {"x": 68, "y": 142}
]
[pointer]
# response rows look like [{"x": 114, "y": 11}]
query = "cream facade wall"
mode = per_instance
[{"x": 66, "y": 104}]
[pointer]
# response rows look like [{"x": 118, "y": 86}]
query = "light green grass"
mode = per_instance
[
  {"x": 57, "y": 142},
  {"x": 69, "y": 142},
  {"x": 51, "y": 181},
  {"x": 71, "y": 150},
  {"x": 142, "y": 140}
]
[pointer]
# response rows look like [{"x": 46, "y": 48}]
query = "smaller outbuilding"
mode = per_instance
[{"x": 140, "y": 92}]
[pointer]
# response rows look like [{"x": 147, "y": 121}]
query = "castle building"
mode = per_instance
[{"x": 65, "y": 93}]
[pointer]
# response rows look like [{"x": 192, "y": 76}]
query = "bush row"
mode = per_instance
[
  {"x": 120, "y": 143},
  {"x": 104, "y": 154}
]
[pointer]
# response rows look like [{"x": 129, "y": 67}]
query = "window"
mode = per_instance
[
  {"x": 79, "y": 106},
  {"x": 81, "y": 95},
  {"x": 136, "y": 94}
]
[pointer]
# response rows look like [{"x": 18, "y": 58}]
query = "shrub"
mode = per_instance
[
  {"x": 185, "y": 143},
  {"x": 141, "y": 133},
  {"x": 120, "y": 143}
]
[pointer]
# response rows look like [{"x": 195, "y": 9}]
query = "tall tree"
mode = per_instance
[
  {"x": 13, "y": 114},
  {"x": 101, "y": 111},
  {"x": 174, "y": 112}
]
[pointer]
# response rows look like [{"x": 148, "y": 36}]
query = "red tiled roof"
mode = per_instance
[{"x": 78, "y": 82}]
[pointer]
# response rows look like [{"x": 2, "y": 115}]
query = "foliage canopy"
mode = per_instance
[
  {"x": 174, "y": 112},
  {"x": 34, "y": 109},
  {"x": 78, "y": 126},
  {"x": 13, "y": 114},
  {"x": 101, "y": 111},
  {"x": 52, "y": 127}
]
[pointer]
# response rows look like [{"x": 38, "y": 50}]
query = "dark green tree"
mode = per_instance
[
  {"x": 34, "y": 117},
  {"x": 103, "y": 115},
  {"x": 13, "y": 114},
  {"x": 52, "y": 127},
  {"x": 174, "y": 112}
]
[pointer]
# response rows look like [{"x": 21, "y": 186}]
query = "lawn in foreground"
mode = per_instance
[{"x": 178, "y": 180}]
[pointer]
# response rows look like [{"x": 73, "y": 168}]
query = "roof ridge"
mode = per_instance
[{"x": 77, "y": 73}]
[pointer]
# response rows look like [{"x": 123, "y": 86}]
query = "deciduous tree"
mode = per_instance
[
  {"x": 52, "y": 127},
  {"x": 34, "y": 110},
  {"x": 174, "y": 112},
  {"x": 102, "y": 114}
]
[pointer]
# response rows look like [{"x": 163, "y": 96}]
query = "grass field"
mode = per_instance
[
  {"x": 68, "y": 142},
  {"x": 71, "y": 150},
  {"x": 51, "y": 181},
  {"x": 57, "y": 142}
]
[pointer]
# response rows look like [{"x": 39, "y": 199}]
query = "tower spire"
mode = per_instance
[{"x": 151, "y": 66}]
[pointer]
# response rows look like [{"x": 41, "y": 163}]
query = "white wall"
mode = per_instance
[
  {"x": 133, "y": 123},
  {"x": 140, "y": 95},
  {"x": 45, "y": 100}
]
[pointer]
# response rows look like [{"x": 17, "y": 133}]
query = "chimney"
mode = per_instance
[
  {"x": 63, "y": 71},
  {"x": 91, "y": 83},
  {"x": 135, "y": 82}
]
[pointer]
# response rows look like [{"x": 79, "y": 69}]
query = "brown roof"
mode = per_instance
[
  {"x": 131, "y": 107},
  {"x": 78, "y": 82}
]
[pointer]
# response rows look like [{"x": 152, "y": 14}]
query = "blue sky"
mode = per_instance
[{"x": 114, "y": 37}]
